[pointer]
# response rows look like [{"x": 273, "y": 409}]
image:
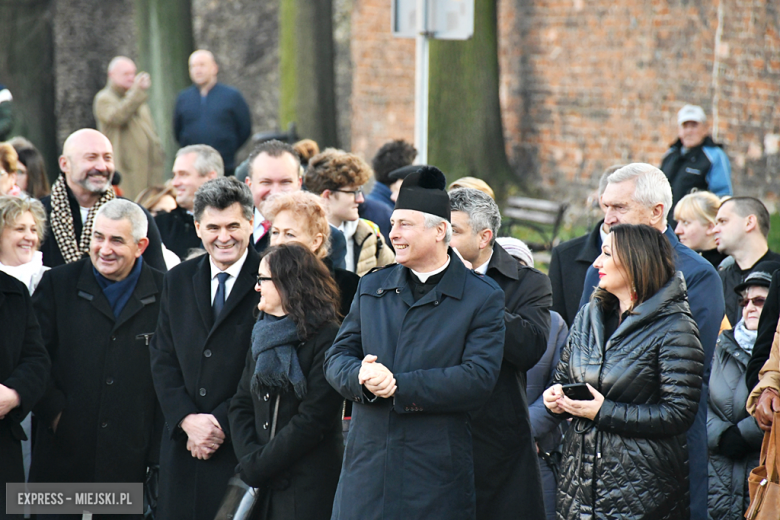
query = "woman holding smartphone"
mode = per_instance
[
  {"x": 635, "y": 349},
  {"x": 285, "y": 418}
]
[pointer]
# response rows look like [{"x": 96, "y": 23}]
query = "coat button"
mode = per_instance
[
  {"x": 207, "y": 353},
  {"x": 436, "y": 303},
  {"x": 266, "y": 397},
  {"x": 265, "y": 426},
  {"x": 202, "y": 392},
  {"x": 398, "y": 291},
  {"x": 109, "y": 380},
  {"x": 379, "y": 291},
  {"x": 357, "y": 399},
  {"x": 104, "y": 424},
  {"x": 113, "y": 338}
]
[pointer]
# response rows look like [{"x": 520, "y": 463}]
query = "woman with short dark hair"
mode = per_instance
[
  {"x": 636, "y": 349},
  {"x": 285, "y": 418}
]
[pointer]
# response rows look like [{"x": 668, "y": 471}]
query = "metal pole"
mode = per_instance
[{"x": 421, "y": 84}]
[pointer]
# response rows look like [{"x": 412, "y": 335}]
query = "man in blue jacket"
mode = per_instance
[
  {"x": 211, "y": 113},
  {"x": 421, "y": 347},
  {"x": 640, "y": 194}
]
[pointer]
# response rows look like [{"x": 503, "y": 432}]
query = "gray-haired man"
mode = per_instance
[
  {"x": 199, "y": 350},
  {"x": 99, "y": 420},
  {"x": 506, "y": 468}
]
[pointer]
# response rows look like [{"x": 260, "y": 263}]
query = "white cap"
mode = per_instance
[
  {"x": 517, "y": 248},
  {"x": 691, "y": 113}
]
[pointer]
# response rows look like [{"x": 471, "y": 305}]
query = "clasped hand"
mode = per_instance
[
  {"x": 557, "y": 402},
  {"x": 204, "y": 434},
  {"x": 376, "y": 377}
]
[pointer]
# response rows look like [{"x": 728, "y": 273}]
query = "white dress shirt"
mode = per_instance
[{"x": 233, "y": 271}]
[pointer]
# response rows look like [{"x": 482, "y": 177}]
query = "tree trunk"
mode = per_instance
[
  {"x": 306, "y": 55},
  {"x": 465, "y": 136},
  {"x": 27, "y": 69},
  {"x": 164, "y": 45}
]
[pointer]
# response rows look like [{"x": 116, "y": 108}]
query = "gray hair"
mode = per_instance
[
  {"x": 207, "y": 161},
  {"x": 482, "y": 210},
  {"x": 220, "y": 194},
  {"x": 652, "y": 186},
  {"x": 435, "y": 220},
  {"x": 604, "y": 180},
  {"x": 121, "y": 209}
]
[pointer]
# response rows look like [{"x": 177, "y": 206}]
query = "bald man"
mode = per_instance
[
  {"x": 211, "y": 113},
  {"x": 87, "y": 166},
  {"x": 123, "y": 116}
]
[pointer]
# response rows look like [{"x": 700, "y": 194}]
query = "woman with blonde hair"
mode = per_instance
[
  {"x": 158, "y": 199},
  {"x": 695, "y": 215}
]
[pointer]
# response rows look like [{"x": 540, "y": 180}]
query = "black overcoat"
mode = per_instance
[
  {"x": 24, "y": 366},
  {"x": 299, "y": 468},
  {"x": 506, "y": 467},
  {"x": 196, "y": 365},
  {"x": 410, "y": 457},
  {"x": 100, "y": 379},
  {"x": 569, "y": 263}
]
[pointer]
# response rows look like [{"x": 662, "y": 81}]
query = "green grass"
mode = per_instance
[{"x": 774, "y": 232}]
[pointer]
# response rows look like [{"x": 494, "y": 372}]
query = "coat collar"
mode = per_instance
[
  {"x": 591, "y": 249},
  {"x": 145, "y": 293},
  {"x": 504, "y": 263},
  {"x": 452, "y": 283}
]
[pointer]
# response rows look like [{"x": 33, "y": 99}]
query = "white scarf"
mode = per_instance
[{"x": 30, "y": 273}]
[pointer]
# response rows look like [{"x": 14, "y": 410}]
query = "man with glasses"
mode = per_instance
[{"x": 337, "y": 177}]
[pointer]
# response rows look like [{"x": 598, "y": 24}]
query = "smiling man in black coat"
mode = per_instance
[
  {"x": 506, "y": 468},
  {"x": 199, "y": 351},
  {"x": 99, "y": 420}
]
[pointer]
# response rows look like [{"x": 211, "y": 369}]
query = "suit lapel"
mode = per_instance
[
  {"x": 89, "y": 289},
  {"x": 145, "y": 293},
  {"x": 201, "y": 283},
  {"x": 245, "y": 282}
]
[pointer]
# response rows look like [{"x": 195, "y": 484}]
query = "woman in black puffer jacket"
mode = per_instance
[{"x": 637, "y": 348}]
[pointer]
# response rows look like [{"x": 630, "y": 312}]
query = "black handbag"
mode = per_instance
[{"x": 241, "y": 501}]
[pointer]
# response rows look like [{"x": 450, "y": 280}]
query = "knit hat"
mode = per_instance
[
  {"x": 423, "y": 190},
  {"x": 517, "y": 248}
]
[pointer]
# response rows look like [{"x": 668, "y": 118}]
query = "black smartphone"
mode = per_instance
[{"x": 577, "y": 392}]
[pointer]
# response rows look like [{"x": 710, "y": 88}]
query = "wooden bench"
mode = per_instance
[{"x": 543, "y": 216}]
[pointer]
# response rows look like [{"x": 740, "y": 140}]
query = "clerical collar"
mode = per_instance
[{"x": 423, "y": 277}]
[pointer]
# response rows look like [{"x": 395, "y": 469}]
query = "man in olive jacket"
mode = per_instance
[
  {"x": 506, "y": 467},
  {"x": 420, "y": 348},
  {"x": 199, "y": 350},
  {"x": 99, "y": 420}
]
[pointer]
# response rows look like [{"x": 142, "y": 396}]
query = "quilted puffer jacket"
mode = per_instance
[
  {"x": 631, "y": 462},
  {"x": 728, "y": 490}
]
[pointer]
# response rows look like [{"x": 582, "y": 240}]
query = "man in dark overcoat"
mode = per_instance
[
  {"x": 24, "y": 369},
  {"x": 506, "y": 467},
  {"x": 99, "y": 420},
  {"x": 420, "y": 348},
  {"x": 199, "y": 350}
]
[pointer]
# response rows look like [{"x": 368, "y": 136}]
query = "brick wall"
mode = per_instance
[{"x": 587, "y": 84}]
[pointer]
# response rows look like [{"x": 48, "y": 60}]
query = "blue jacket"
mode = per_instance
[
  {"x": 379, "y": 214},
  {"x": 410, "y": 457},
  {"x": 381, "y": 193},
  {"x": 221, "y": 119},
  {"x": 705, "y": 297}
]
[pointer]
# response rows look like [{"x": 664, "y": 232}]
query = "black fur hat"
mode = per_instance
[{"x": 424, "y": 190}]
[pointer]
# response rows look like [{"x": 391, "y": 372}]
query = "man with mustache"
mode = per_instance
[{"x": 87, "y": 165}]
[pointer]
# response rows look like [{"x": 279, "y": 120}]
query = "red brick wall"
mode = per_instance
[
  {"x": 589, "y": 83},
  {"x": 383, "y": 84}
]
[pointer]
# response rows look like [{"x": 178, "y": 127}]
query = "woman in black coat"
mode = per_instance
[
  {"x": 285, "y": 418},
  {"x": 24, "y": 369},
  {"x": 636, "y": 347}
]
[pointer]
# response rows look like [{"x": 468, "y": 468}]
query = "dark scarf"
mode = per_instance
[
  {"x": 119, "y": 293},
  {"x": 273, "y": 349},
  {"x": 61, "y": 222}
]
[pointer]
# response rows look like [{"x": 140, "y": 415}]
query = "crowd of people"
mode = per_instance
[{"x": 379, "y": 355}]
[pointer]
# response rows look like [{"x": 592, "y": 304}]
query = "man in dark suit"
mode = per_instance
[
  {"x": 87, "y": 164},
  {"x": 99, "y": 420},
  {"x": 275, "y": 167},
  {"x": 199, "y": 349},
  {"x": 194, "y": 166},
  {"x": 506, "y": 468}
]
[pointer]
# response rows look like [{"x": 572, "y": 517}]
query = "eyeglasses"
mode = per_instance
[
  {"x": 356, "y": 193},
  {"x": 758, "y": 301},
  {"x": 261, "y": 279}
]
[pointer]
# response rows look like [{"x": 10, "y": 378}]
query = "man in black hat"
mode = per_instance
[{"x": 434, "y": 337}]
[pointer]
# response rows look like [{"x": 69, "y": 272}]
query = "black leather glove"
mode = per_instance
[{"x": 732, "y": 444}]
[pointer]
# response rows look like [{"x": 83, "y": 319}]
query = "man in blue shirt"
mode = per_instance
[
  {"x": 640, "y": 194},
  {"x": 211, "y": 113}
]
